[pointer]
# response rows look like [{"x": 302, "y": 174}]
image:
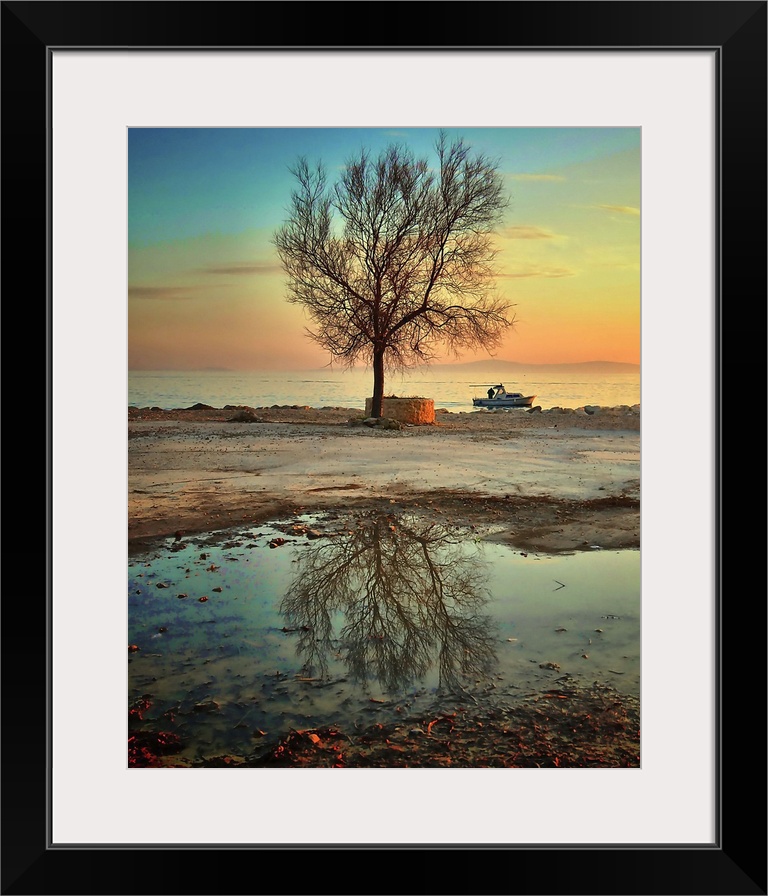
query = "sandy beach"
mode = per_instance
[{"x": 551, "y": 481}]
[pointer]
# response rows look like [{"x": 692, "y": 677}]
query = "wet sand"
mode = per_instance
[{"x": 548, "y": 481}]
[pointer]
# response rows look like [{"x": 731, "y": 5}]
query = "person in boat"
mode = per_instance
[{"x": 490, "y": 392}]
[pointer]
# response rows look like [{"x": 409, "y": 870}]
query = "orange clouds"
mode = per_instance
[{"x": 527, "y": 232}]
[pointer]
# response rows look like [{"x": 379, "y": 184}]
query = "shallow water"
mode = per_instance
[{"x": 359, "y": 624}]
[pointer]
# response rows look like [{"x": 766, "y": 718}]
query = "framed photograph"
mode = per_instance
[{"x": 690, "y": 78}]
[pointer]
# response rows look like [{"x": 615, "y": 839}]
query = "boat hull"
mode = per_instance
[{"x": 525, "y": 401}]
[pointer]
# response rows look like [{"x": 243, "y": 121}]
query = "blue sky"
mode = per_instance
[{"x": 206, "y": 289}]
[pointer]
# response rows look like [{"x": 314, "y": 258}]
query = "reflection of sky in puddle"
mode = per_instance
[
  {"x": 560, "y": 608},
  {"x": 334, "y": 630}
]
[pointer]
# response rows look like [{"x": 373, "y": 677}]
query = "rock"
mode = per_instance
[
  {"x": 201, "y": 407},
  {"x": 382, "y": 423},
  {"x": 244, "y": 417}
]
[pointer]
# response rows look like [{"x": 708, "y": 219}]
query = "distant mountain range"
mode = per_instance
[
  {"x": 490, "y": 366},
  {"x": 493, "y": 364}
]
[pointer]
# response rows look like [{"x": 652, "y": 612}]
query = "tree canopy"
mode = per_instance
[{"x": 395, "y": 261}]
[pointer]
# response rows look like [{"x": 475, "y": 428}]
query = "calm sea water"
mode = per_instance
[{"x": 325, "y": 388}]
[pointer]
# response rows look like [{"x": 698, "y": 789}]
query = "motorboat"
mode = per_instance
[{"x": 498, "y": 397}]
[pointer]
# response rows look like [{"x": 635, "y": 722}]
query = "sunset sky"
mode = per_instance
[{"x": 205, "y": 284}]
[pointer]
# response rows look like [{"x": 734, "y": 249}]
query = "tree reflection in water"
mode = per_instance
[{"x": 407, "y": 598}]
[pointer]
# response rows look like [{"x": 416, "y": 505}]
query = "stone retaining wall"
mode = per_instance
[{"x": 406, "y": 410}]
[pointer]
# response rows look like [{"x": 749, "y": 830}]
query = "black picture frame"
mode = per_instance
[{"x": 736, "y": 862}]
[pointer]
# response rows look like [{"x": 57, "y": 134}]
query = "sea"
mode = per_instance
[{"x": 451, "y": 387}]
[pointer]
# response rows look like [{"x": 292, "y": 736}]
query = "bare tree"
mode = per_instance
[{"x": 395, "y": 260}]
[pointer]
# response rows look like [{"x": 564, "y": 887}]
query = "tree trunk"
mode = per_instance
[{"x": 378, "y": 382}]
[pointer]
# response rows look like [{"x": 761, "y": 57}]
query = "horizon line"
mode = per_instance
[{"x": 340, "y": 369}]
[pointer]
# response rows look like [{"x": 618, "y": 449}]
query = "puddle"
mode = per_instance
[{"x": 348, "y": 626}]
